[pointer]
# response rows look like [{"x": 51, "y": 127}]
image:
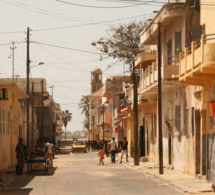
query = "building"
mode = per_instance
[
  {"x": 95, "y": 100},
  {"x": 181, "y": 149},
  {"x": 12, "y": 122},
  {"x": 197, "y": 72}
]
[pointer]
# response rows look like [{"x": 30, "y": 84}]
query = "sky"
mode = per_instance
[{"x": 61, "y": 33}]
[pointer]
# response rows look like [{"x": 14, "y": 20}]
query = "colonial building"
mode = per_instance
[
  {"x": 197, "y": 71},
  {"x": 12, "y": 123},
  {"x": 181, "y": 139}
]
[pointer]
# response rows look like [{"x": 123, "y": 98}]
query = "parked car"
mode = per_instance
[{"x": 79, "y": 146}]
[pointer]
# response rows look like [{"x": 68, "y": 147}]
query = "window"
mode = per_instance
[
  {"x": 177, "y": 45},
  {"x": 0, "y": 123},
  {"x": 8, "y": 122},
  {"x": 177, "y": 118},
  {"x": 92, "y": 76},
  {"x": 155, "y": 126},
  {"x": 3, "y": 122},
  {"x": 100, "y": 76},
  {"x": 96, "y": 78},
  {"x": 169, "y": 51},
  {"x": 14, "y": 125}
]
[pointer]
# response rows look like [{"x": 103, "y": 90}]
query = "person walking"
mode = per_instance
[
  {"x": 101, "y": 154},
  {"x": 113, "y": 150},
  {"x": 21, "y": 155},
  {"x": 50, "y": 148},
  {"x": 124, "y": 149}
]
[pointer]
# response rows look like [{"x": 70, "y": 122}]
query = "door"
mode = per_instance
[
  {"x": 169, "y": 51},
  {"x": 198, "y": 137},
  {"x": 142, "y": 141}
]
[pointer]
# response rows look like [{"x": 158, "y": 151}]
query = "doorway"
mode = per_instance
[{"x": 142, "y": 141}]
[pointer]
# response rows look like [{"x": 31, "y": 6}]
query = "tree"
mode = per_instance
[
  {"x": 121, "y": 40},
  {"x": 84, "y": 105},
  {"x": 67, "y": 117}
]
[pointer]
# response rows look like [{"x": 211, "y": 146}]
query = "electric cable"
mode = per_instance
[
  {"x": 118, "y": 7},
  {"x": 39, "y": 12},
  {"x": 60, "y": 58}
]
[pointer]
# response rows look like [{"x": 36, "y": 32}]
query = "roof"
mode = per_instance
[
  {"x": 96, "y": 69},
  {"x": 97, "y": 93},
  {"x": 15, "y": 90},
  {"x": 119, "y": 78}
]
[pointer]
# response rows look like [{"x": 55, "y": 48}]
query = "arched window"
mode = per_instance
[
  {"x": 96, "y": 78},
  {"x": 92, "y": 76}
]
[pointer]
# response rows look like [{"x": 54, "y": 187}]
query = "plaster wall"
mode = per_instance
[
  {"x": 8, "y": 130},
  {"x": 207, "y": 16},
  {"x": 130, "y": 136},
  {"x": 150, "y": 135},
  {"x": 174, "y": 153}
]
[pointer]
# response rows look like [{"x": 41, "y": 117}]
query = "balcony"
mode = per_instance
[
  {"x": 118, "y": 113},
  {"x": 59, "y": 122},
  {"x": 197, "y": 63},
  {"x": 149, "y": 76},
  {"x": 167, "y": 15},
  {"x": 146, "y": 104},
  {"x": 144, "y": 59}
]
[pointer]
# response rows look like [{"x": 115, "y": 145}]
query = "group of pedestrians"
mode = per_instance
[{"x": 113, "y": 151}]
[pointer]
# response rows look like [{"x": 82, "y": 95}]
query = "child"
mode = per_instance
[{"x": 101, "y": 155}]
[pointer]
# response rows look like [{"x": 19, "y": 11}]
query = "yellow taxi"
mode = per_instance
[{"x": 79, "y": 146}]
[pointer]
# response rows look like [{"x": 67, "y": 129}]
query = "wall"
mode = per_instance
[
  {"x": 8, "y": 131},
  {"x": 207, "y": 17}
]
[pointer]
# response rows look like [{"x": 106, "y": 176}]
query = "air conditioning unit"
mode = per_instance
[{"x": 3, "y": 94}]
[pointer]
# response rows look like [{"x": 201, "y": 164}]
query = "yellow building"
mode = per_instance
[
  {"x": 180, "y": 148},
  {"x": 197, "y": 70},
  {"x": 11, "y": 124}
]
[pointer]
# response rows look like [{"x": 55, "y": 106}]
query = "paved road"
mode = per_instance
[{"x": 80, "y": 173}]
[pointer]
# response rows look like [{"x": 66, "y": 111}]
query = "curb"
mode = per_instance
[{"x": 145, "y": 172}]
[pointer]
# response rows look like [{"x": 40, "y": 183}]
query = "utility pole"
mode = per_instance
[
  {"x": 27, "y": 87},
  {"x": 160, "y": 141},
  {"x": 42, "y": 111},
  {"x": 32, "y": 115},
  {"x": 136, "y": 149},
  {"x": 103, "y": 124},
  {"x": 12, "y": 48},
  {"x": 93, "y": 129},
  {"x": 98, "y": 122},
  {"x": 52, "y": 107}
]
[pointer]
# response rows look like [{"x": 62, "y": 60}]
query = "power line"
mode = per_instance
[
  {"x": 59, "y": 83},
  {"x": 61, "y": 47},
  {"x": 81, "y": 25},
  {"x": 39, "y": 12},
  {"x": 89, "y": 6},
  {"x": 3, "y": 44},
  {"x": 60, "y": 58},
  {"x": 94, "y": 23},
  {"x": 46, "y": 11}
]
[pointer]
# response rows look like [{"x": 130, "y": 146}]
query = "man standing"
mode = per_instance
[
  {"x": 20, "y": 155},
  {"x": 113, "y": 150},
  {"x": 50, "y": 153},
  {"x": 124, "y": 149}
]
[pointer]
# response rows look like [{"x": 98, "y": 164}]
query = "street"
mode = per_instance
[{"x": 79, "y": 173}]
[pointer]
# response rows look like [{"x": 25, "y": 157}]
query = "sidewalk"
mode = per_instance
[{"x": 185, "y": 182}]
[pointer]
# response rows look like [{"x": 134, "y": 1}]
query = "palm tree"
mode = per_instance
[
  {"x": 67, "y": 117},
  {"x": 84, "y": 105}
]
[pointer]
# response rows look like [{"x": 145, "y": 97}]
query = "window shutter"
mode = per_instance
[
  {"x": 177, "y": 118},
  {"x": 178, "y": 48}
]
